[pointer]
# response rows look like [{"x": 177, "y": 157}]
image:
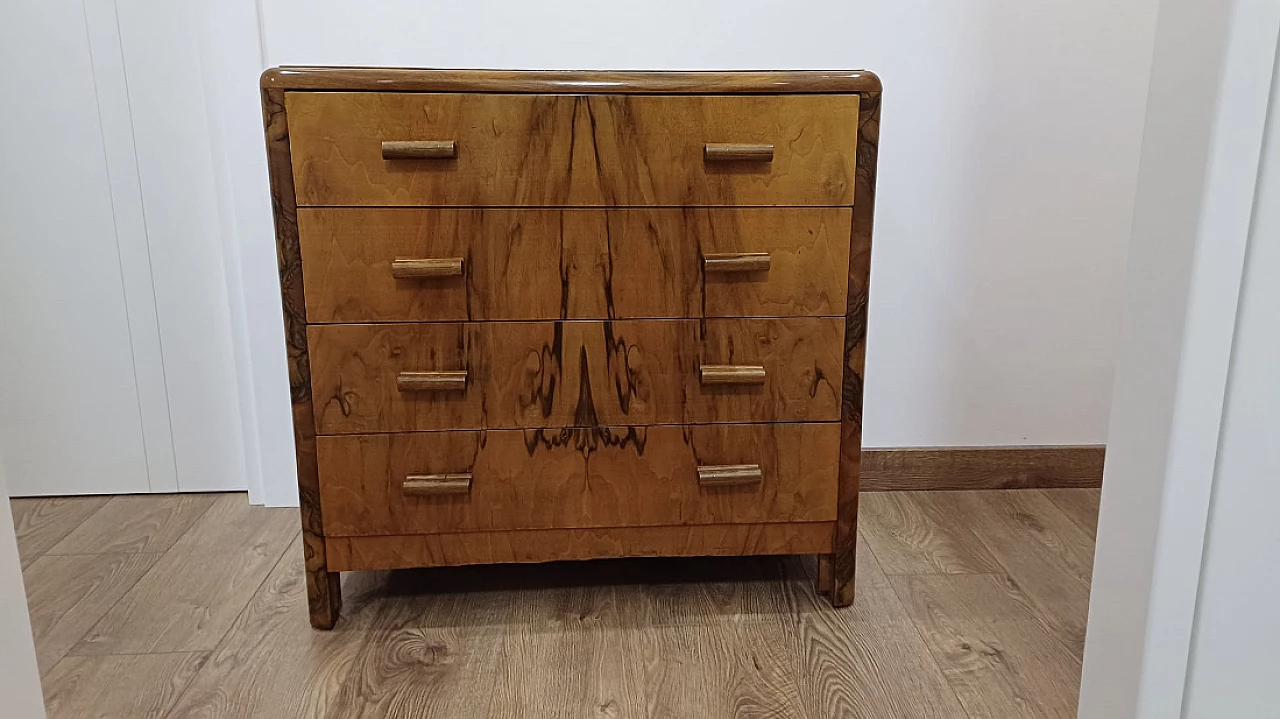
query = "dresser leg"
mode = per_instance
[
  {"x": 825, "y": 580},
  {"x": 841, "y": 593},
  {"x": 324, "y": 596}
]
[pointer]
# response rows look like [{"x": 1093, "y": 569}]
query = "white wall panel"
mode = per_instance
[
  {"x": 71, "y": 421},
  {"x": 172, "y": 138}
]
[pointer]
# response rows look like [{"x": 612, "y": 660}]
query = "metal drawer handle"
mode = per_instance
[
  {"x": 431, "y": 381},
  {"x": 419, "y": 150},
  {"x": 736, "y": 262},
  {"x": 426, "y": 267},
  {"x": 732, "y": 374},
  {"x": 737, "y": 152},
  {"x": 427, "y": 485},
  {"x": 729, "y": 475}
]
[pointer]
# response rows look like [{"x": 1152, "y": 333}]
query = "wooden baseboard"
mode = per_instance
[{"x": 982, "y": 468}]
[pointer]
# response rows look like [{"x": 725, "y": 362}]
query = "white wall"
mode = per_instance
[
  {"x": 1009, "y": 150},
  {"x": 19, "y": 675},
  {"x": 1234, "y": 664},
  {"x": 1177, "y": 473},
  {"x": 117, "y": 365}
]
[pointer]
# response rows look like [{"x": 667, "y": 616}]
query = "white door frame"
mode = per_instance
[{"x": 1210, "y": 90}]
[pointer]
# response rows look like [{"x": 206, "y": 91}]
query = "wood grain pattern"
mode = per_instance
[
  {"x": 570, "y": 81},
  {"x": 181, "y": 606},
  {"x": 737, "y": 152},
  {"x": 324, "y": 590},
  {"x": 855, "y": 349},
  {"x": 39, "y": 524},
  {"x": 538, "y": 375},
  {"x": 1079, "y": 504},
  {"x": 428, "y": 267},
  {"x": 996, "y": 654},
  {"x": 431, "y": 485},
  {"x": 138, "y": 686},
  {"x": 419, "y": 150},
  {"x": 270, "y": 664},
  {"x": 577, "y": 477},
  {"x": 544, "y": 264},
  {"x": 584, "y": 150},
  {"x": 136, "y": 523},
  {"x": 550, "y": 545},
  {"x": 951, "y": 468},
  {"x": 924, "y": 533},
  {"x": 67, "y": 595},
  {"x": 727, "y": 636}
]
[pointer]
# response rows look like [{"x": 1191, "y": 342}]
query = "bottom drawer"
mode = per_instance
[{"x": 436, "y": 482}]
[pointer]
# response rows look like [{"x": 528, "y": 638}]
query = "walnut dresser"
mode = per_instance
[{"x": 537, "y": 316}]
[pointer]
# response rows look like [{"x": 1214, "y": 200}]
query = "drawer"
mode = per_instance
[
  {"x": 432, "y": 482},
  {"x": 406, "y": 265},
  {"x": 592, "y": 150},
  {"x": 499, "y": 375}
]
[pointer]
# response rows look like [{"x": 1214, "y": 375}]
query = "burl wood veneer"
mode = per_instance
[{"x": 537, "y": 316}]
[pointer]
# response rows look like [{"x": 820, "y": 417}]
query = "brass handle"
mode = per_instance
[
  {"x": 442, "y": 267},
  {"x": 732, "y": 374},
  {"x": 737, "y": 152},
  {"x": 736, "y": 262},
  {"x": 419, "y": 150},
  {"x": 425, "y": 485},
  {"x": 431, "y": 381},
  {"x": 729, "y": 475}
]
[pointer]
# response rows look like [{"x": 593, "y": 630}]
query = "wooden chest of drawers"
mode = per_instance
[{"x": 535, "y": 316}]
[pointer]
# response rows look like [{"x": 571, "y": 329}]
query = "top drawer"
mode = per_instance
[{"x": 576, "y": 150}]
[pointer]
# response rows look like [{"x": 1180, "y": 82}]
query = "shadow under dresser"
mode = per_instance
[{"x": 540, "y": 316}]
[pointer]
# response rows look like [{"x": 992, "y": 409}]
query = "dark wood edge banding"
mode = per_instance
[
  {"x": 843, "y": 558},
  {"x": 951, "y": 468},
  {"x": 571, "y": 81},
  {"x": 324, "y": 592}
]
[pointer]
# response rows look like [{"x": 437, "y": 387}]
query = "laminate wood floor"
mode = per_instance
[{"x": 969, "y": 605}]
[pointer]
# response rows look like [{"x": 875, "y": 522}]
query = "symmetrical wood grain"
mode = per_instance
[
  {"x": 547, "y": 264},
  {"x": 550, "y": 545},
  {"x": 674, "y": 303},
  {"x": 982, "y": 468},
  {"x": 324, "y": 590},
  {"x": 855, "y": 348},
  {"x": 577, "y": 477},
  {"x": 537, "y": 375},
  {"x": 647, "y": 82},
  {"x": 586, "y": 150}
]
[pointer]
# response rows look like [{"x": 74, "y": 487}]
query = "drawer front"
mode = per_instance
[
  {"x": 492, "y": 149},
  {"x": 499, "y": 375},
  {"x": 538, "y": 264},
  {"x": 579, "y": 477}
]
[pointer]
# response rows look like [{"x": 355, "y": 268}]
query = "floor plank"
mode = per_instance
[
  {"x": 1079, "y": 504},
  {"x": 67, "y": 595},
  {"x": 136, "y": 523},
  {"x": 272, "y": 664},
  {"x": 139, "y": 686},
  {"x": 1034, "y": 562},
  {"x": 189, "y": 599},
  {"x": 999, "y": 657},
  {"x": 41, "y": 523},
  {"x": 969, "y": 605},
  {"x": 922, "y": 533}
]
